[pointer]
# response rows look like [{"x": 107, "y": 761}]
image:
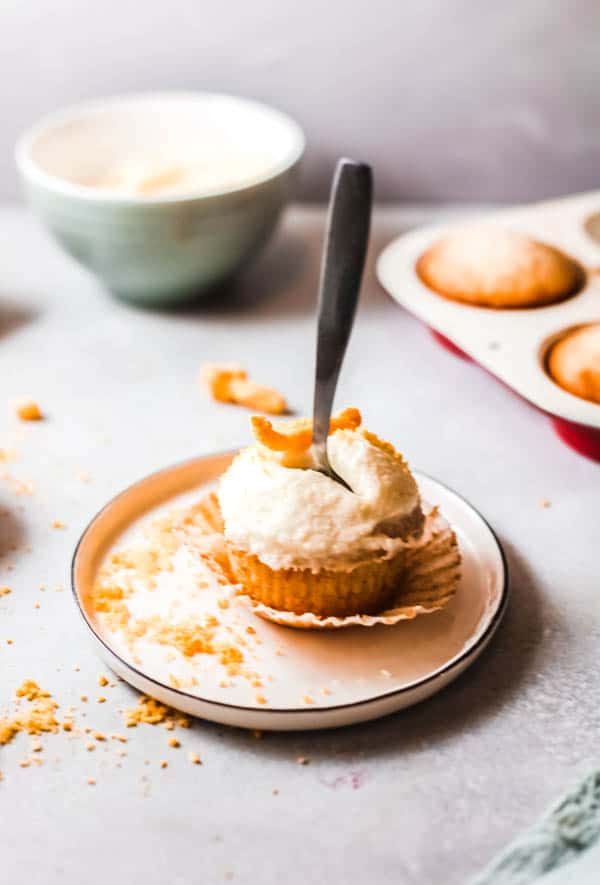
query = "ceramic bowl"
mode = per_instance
[{"x": 159, "y": 248}]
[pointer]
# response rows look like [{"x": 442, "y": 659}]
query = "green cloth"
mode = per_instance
[{"x": 560, "y": 849}]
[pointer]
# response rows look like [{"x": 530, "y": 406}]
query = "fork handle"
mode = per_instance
[{"x": 341, "y": 273}]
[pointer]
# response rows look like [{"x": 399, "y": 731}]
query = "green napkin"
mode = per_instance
[{"x": 560, "y": 849}]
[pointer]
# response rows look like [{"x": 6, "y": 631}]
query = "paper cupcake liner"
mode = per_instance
[
  {"x": 423, "y": 577},
  {"x": 429, "y": 581}
]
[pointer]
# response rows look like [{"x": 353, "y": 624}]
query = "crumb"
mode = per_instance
[
  {"x": 58, "y": 524},
  {"x": 99, "y": 736},
  {"x": 67, "y": 725},
  {"x": 36, "y": 747},
  {"x": 153, "y": 712},
  {"x": 84, "y": 476},
  {"x": 303, "y": 760},
  {"x": 173, "y": 742},
  {"x": 37, "y": 605},
  {"x": 544, "y": 503},
  {"x": 308, "y": 699},
  {"x": 194, "y": 758},
  {"x": 260, "y": 698},
  {"x": 101, "y": 699},
  {"x": 76, "y": 667},
  {"x": 90, "y": 746},
  {"x": 83, "y": 697},
  {"x": 28, "y": 410},
  {"x": 276, "y": 792},
  {"x": 91, "y": 781},
  {"x": 4, "y": 591},
  {"x": 25, "y": 763},
  {"x": 119, "y": 737},
  {"x": 102, "y": 680},
  {"x": 250, "y": 630},
  {"x": 163, "y": 763},
  {"x": 9, "y": 641},
  {"x": 326, "y": 691},
  {"x": 230, "y": 384}
]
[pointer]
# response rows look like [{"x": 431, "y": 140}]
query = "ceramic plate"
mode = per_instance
[{"x": 309, "y": 679}]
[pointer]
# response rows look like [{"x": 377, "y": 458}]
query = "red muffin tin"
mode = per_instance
[{"x": 513, "y": 344}]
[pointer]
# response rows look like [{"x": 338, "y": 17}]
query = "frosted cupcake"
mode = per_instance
[{"x": 300, "y": 542}]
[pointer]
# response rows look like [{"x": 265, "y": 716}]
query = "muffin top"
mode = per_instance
[
  {"x": 276, "y": 506},
  {"x": 574, "y": 362},
  {"x": 489, "y": 266}
]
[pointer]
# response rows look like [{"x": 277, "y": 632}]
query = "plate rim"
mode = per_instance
[{"x": 459, "y": 662}]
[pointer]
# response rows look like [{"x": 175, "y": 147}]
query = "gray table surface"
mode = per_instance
[{"x": 425, "y": 796}]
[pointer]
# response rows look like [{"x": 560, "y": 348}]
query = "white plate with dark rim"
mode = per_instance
[{"x": 315, "y": 679}]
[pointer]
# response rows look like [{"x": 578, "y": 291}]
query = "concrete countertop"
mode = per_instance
[{"x": 426, "y": 796}]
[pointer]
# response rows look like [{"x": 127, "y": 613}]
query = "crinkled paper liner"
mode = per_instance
[{"x": 428, "y": 584}]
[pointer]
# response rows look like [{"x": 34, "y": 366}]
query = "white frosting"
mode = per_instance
[{"x": 295, "y": 517}]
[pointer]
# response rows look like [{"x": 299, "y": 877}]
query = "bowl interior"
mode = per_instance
[{"x": 220, "y": 142}]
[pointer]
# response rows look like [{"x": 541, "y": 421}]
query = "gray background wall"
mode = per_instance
[{"x": 450, "y": 99}]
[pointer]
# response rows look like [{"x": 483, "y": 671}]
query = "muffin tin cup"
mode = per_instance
[{"x": 513, "y": 344}]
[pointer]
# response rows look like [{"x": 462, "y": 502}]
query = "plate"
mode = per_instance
[{"x": 309, "y": 679}]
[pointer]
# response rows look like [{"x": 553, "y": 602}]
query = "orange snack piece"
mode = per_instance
[
  {"x": 230, "y": 384},
  {"x": 296, "y": 436},
  {"x": 28, "y": 410}
]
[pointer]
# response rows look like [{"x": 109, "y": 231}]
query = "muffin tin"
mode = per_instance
[{"x": 513, "y": 344}]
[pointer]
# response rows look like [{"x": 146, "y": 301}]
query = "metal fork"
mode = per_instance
[{"x": 342, "y": 266}]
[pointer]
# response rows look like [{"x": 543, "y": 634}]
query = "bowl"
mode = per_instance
[{"x": 161, "y": 195}]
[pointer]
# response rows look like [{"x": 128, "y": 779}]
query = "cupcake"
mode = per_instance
[
  {"x": 299, "y": 541},
  {"x": 488, "y": 266},
  {"x": 574, "y": 362}
]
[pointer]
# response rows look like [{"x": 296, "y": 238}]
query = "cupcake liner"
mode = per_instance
[
  {"x": 424, "y": 577},
  {"x": 429, "y": 580}
]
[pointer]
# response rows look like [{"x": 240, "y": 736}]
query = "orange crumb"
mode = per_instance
[
  {"x": 37, "y": 605},
  {"x": 90, "y": 746},
  {"x": 307, "y": 699},
  {"x": 58, "y": 524},
  {"x": 326, "y": 690},
  {"x": 9, "y": 641},
  {"x": 544, "y": 503},
  {"x": 25, "y": 763},
  {"x": 250, "y": 630},
  {"x": 91, "y": 781},
  {"x": 67, "y": 725},
  {"x": 163, "y": 763},
  {"x": 193, "y": 757},
  {"x": 153, "y": 712},
  {"x": 173, "y": 742},
  {"x": 101, "y": 699},
  {"x": 169, "y": 725},
  {"x": 230, "y": 384},
  {"x": 119, "y": 737},
  {"x": 102, "y": 680},
  {"x": 83, "y": 697},
  {"x": 99, "y": 736},
  {"x": 36, "y": 746},
  {"x": 260, "y": 698},
  {"x": 296, "y": 435},
  {"x": 28, "y": 410},
  {"x": 4, "y": 591}
]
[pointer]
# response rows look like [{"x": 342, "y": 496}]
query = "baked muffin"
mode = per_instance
[
  {"x": 489, "y": 266},
  {"x": 300, "y": 542},
  {"x": 574, "y": 362}
]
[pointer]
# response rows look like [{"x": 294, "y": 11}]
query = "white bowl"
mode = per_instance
[{"x": 161, "y": 246}]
